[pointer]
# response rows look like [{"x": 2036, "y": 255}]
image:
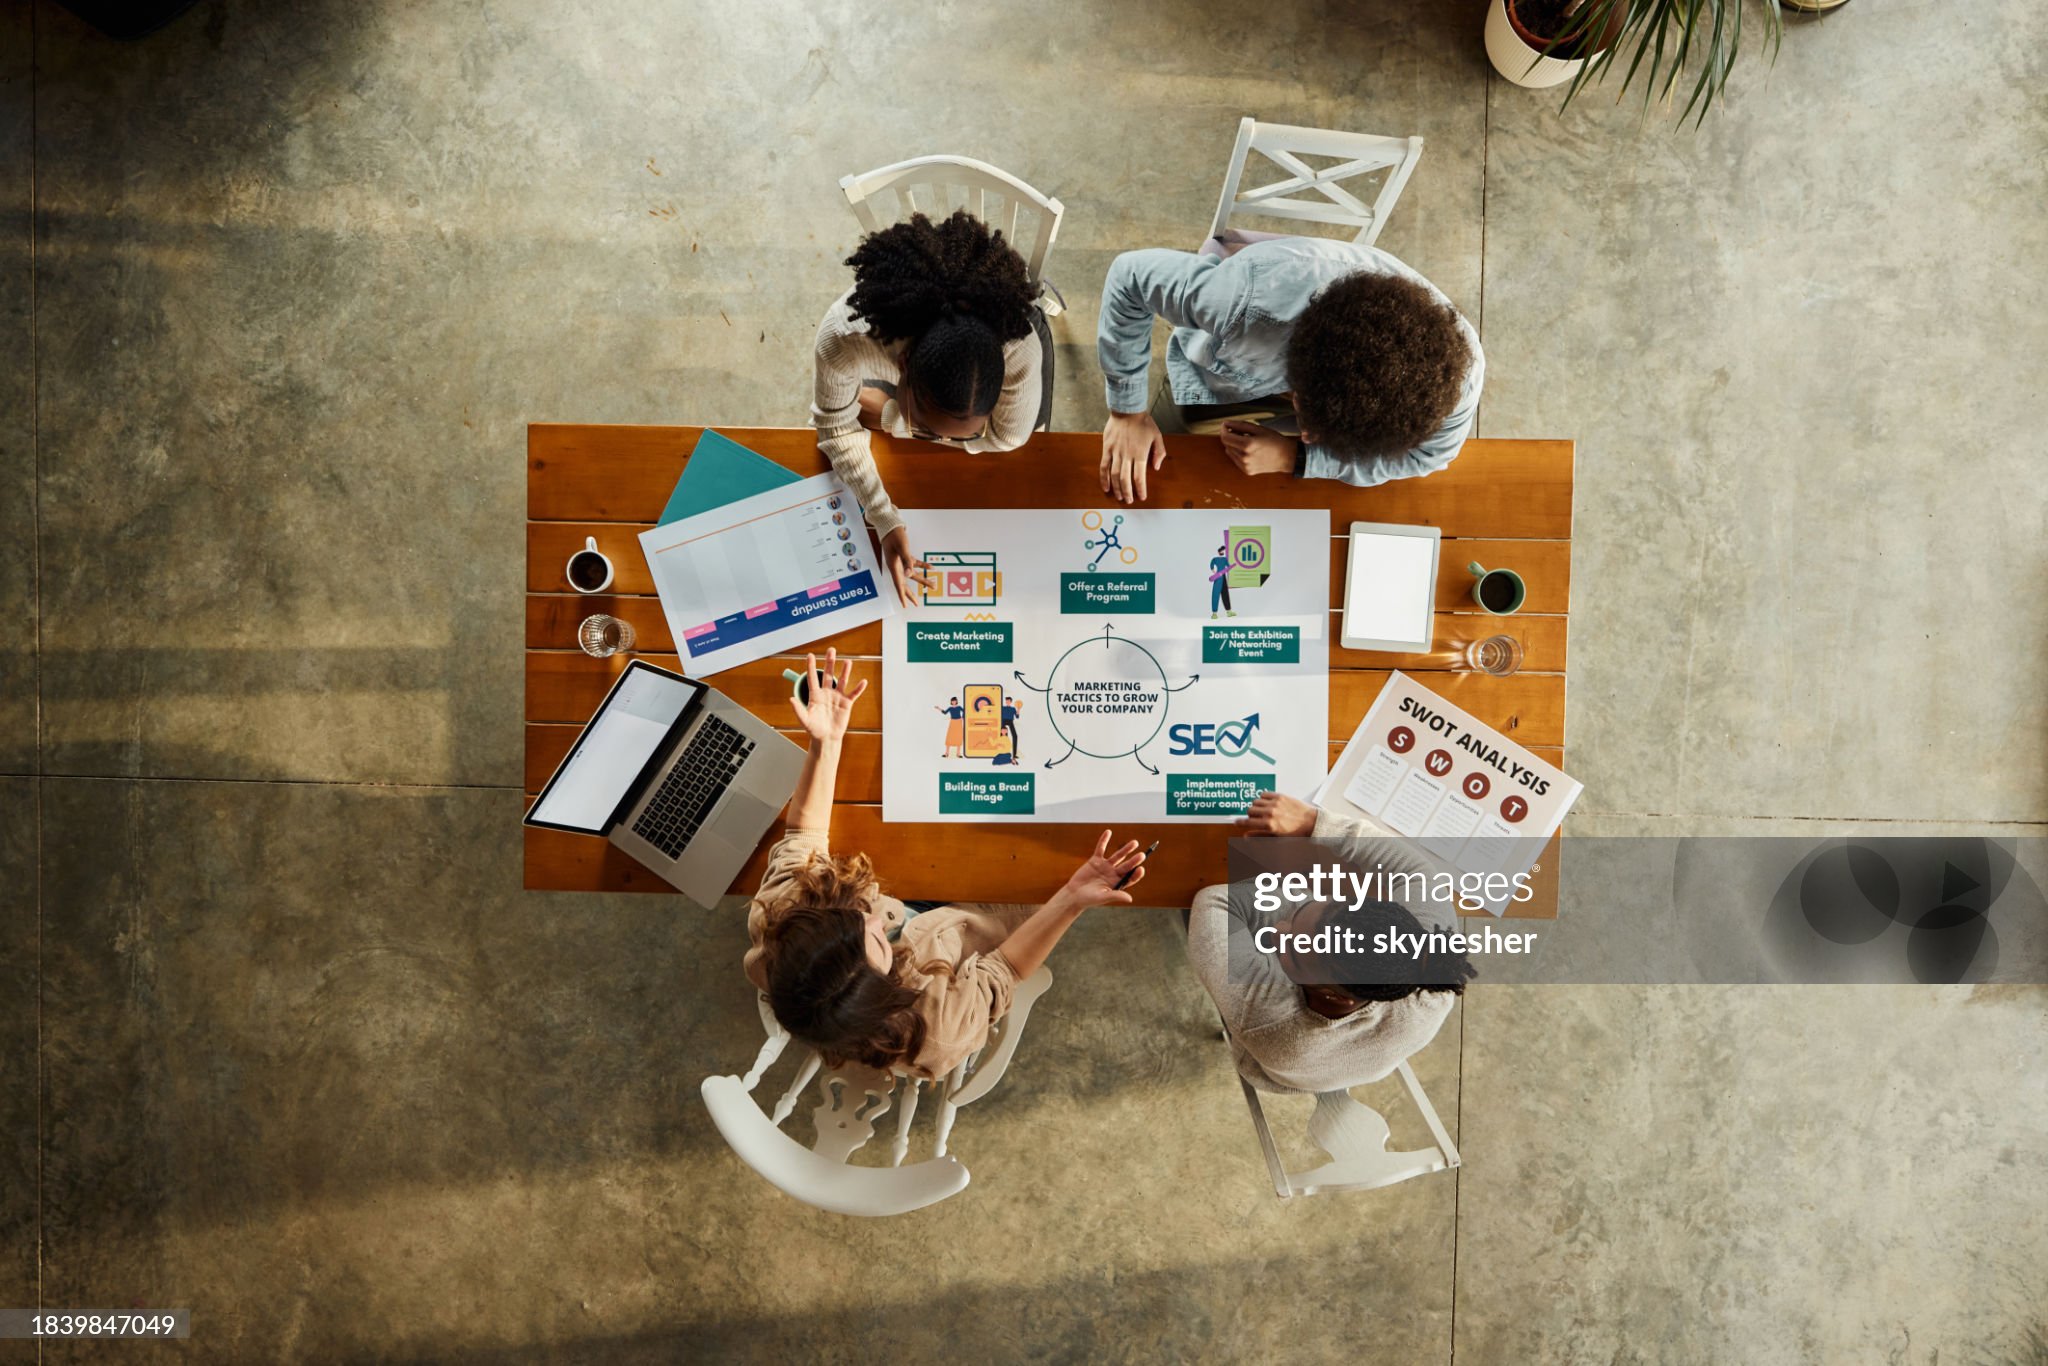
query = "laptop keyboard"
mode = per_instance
[{"x": 702, "y": 773}]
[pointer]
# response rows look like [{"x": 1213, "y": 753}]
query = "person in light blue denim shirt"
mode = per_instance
[{"x": 1381, "y": 371}]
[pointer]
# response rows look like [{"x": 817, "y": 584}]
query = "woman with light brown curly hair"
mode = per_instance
[{"x": 821, "y": 927}]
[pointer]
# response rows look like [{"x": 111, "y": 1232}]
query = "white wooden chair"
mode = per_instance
[
  {"x": 1355, "y": 1136},
  {"x": 850, "y": 1100},
  {"x": 1306, "y": 194},
  {"x": 937, "y": 185}
]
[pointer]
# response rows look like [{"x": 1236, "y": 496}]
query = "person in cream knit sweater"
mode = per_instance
[{"x": 939, "y": 340}]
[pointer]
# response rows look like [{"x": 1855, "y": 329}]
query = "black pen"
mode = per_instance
[{"x": 1136, "y": 866}]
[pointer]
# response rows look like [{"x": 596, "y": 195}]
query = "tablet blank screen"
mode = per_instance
[{"x": 1390, "y": 595}]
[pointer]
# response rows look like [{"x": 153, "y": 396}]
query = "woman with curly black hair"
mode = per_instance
[{"x": 938, "y": 339}]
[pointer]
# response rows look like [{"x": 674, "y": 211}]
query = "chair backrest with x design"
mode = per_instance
[{"x": 1308, "y": 194}]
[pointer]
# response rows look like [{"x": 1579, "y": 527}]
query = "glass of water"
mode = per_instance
[
  {"x": 604, "y": 636},
  {"x": 1496, "y": 655}
]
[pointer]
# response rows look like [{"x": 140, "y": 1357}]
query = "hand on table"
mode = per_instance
[
  {"x": 1274, "y": 814},
  {"x": 1129, "y": 440},
  {"x": 1258, "y": 450},
  {"x": 905, "y": 568},
  {"x": 829, "y": 706},
  {"x": 1094, "y": 882},
  {"x": 872, "y": 400}
]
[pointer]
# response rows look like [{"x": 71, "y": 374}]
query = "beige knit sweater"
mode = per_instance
[{"x": 845, "y": 357}]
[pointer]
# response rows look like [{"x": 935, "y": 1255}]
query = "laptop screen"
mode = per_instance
[{"x": 614, "y": 748}]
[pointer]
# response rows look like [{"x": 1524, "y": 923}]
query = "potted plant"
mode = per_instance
[
  {"x": 1540, "y": 43},
  {"x": 1523, "y": 42}
]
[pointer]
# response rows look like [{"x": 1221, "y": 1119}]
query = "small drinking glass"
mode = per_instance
[
  {"x": 1496, "y": 655},
  {"x": 604, "y": 636}
]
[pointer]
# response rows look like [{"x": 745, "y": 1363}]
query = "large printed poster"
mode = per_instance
[{"x": 1108, "y": 665}]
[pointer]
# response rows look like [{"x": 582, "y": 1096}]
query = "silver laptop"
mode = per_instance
[{"x": 676, "y": 774}]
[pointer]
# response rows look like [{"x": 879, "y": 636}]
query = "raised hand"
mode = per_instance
[
  {"x": 1094, "y": 883},
  {"x": 828, "y": 708}
]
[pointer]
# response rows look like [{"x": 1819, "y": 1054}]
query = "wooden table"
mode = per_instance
[{"x": 1500, "y": 503}]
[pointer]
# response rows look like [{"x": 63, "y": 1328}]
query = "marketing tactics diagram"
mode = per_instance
[{"x": 1108, "y": 665}]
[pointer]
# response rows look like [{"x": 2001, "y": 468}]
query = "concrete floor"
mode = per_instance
[{"x": 282, "y": 1040}]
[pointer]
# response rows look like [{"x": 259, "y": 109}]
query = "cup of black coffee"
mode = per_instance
[
  {"x": 1499, "y": 591},
  {"x": 800, "y": 683},
  {"x": 589, "y": 570}
]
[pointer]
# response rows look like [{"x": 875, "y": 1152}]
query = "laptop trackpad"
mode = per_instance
[{"x": 741, "y": 818}]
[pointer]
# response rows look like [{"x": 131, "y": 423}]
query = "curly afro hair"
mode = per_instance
[
  {"x": 1376, "y": 363},
  {"x": 955, "y": 291}
]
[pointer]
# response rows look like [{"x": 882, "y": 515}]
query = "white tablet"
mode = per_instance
[{"x": 1390, "y": 587}]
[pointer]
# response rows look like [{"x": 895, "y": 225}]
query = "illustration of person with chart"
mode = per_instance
[
  {"x": 1219, "y": 581},
  {"x": 1244, "y": 560}
]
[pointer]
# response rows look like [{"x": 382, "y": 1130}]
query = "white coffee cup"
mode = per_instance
[{"x": 585, "y": 563}]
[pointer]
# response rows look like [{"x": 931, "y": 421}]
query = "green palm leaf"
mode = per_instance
[{"x": 1662, "y": 40}]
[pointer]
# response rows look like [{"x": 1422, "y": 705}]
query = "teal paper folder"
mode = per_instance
[{"x": 721, "y": 471}]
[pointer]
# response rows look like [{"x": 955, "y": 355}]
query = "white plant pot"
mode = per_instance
[{"x": 1524, "y": 65}]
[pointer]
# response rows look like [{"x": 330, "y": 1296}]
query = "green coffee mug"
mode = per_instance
[{"x": 1488, "y": 585}]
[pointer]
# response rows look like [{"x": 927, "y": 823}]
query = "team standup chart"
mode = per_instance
[
  {"x": 1107, "y": 665},
  {"x": 765, "y": 575}
]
